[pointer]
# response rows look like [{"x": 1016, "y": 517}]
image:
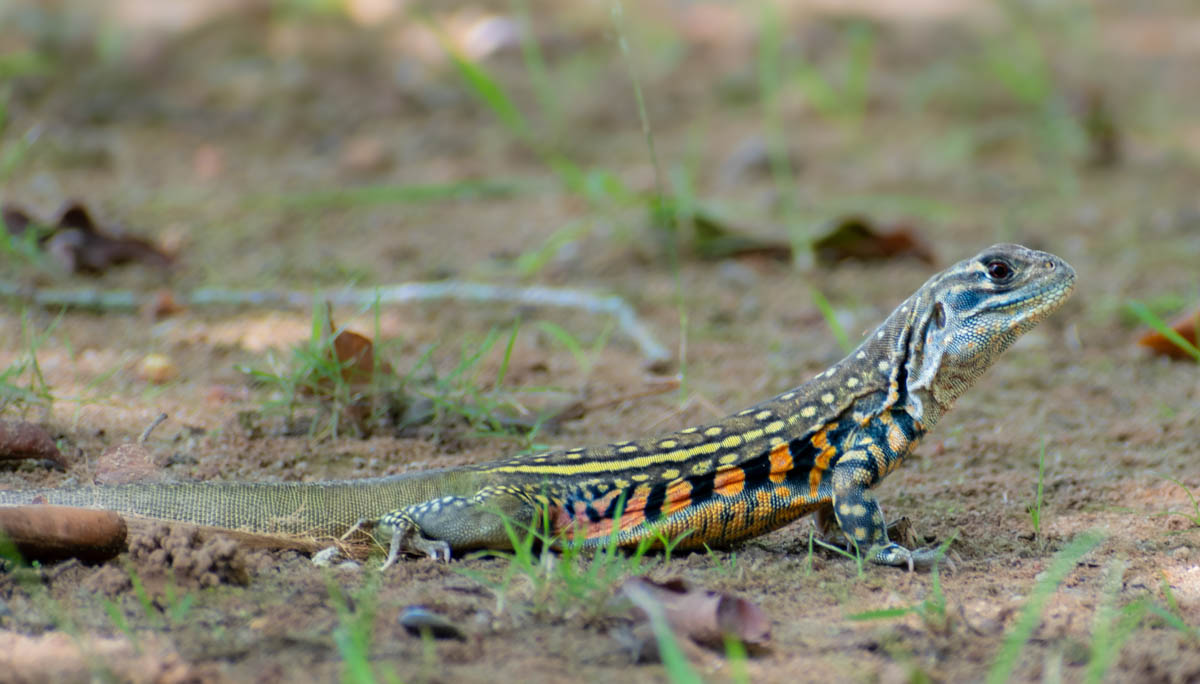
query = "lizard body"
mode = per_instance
[{"x": 817, "y": 448}]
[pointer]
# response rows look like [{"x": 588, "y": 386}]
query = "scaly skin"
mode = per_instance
[{"x": 817, "y": 448}]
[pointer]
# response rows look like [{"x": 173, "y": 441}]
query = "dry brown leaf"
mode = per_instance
[
  {"x": 16, "y": 221},
  {"x": 20, "y": 440},
  {"x": 48, "y": 533},
  {"x": 356, "y": 355},
  {"x": 1187, "y": 327},
  {"x": 706, "y": 617},
  {"x": 856, "y": 237},
  {"x": 161, "y": 304},
  {"x": 78, "y": 244}
]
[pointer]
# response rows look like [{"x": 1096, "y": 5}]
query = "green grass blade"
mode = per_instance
[
  {"x": 400, "y": 194},
  {"x": 1145, "y": 315},
  {"x": 1060, "y": 566},
  {"x": 508, "y": 350},
  {"x": 487, "y": 88},
  {"x": 882, "y": 614},
  {"x": 567, "y": 340},
  {"x": 618, "y": 14},
  {"x": 826, "y": 309}
]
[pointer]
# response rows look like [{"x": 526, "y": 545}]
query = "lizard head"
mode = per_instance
[{"x": 974, "y": 310}]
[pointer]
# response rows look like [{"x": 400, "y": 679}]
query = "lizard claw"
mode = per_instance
[
  {"x": 916, "y": 559},
  {"x": 925, "y": 559}
]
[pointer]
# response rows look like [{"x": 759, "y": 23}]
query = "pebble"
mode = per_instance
[
  {"x": 419, "y": 620},
  {"x": 330, "y": 557},
  {"x": 157, "y": 368}
]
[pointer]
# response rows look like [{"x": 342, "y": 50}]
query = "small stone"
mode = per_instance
[
  {"x": 328, "y": 557},
  {"x": 419, "y": 620},
  {"x": 1180, "y": 552},
  {"x": 125, "y": 463},
  {"x": 157, "y": 368},
  {"x": 365, "y": 156}
]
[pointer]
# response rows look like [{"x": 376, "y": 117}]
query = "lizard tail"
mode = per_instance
[{"x": 316, "y": 509}]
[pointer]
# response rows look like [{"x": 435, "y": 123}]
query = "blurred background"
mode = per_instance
[
  {"x": 374, "y": 140},
  {"x": 186, "y": 184}
]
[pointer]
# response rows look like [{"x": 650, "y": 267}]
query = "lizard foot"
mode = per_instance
[
  {"x": 916, "y": 559},
  {"x": 408, "y": 539}
]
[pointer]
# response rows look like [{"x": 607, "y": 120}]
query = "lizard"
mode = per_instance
[{"x": 816, "y": 449}]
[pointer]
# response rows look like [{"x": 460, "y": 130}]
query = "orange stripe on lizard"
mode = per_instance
[
  {"x": 729, "y": 482},
  {"x": 781, "y": 462},
  {"x": 679, "y": 497},
  {"x": 821, "y": 441}
]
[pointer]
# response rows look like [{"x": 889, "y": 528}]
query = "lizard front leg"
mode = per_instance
[
  {"x": 857, "y": 512},
  {"x": 437, "y": 527}
]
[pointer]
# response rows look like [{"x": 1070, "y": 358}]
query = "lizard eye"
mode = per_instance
[{"x": 999, "y": 270}]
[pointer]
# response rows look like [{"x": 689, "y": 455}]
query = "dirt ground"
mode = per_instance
[{"x": 227, "y": 139}]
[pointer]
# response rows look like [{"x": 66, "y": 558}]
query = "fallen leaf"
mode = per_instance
[
  {"x": 16, "y": 221},
  {"x": 373, "y": 384},
  {"x": 855, "y": 237},
  {"x": 1185, "y": 326},
  {"x": 20, "y": 440},
  {"x": 355, "y": 354},
  {"x": 80, "y": 246},
  {"x": 47, "y": 533},
  {"x": 706, "y": 617},
  {"x": 161, "y": 304}
]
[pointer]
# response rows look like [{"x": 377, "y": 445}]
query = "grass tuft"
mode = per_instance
[
  {"x": 565, "y": 576},
  {"x": 1035, "y": 508},
  {"x": 22, "y": 384},
  {"x": 1194, "y": 516}
]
